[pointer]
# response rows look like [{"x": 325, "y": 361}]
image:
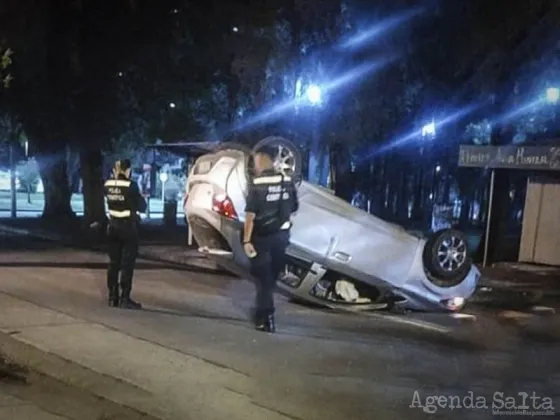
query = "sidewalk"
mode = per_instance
[
  {"x": 26, "y": 394},
  {"x": 16, "y": 409},
  {"x": 180, "y": 381},
  {"x": 114, "y": 366}
]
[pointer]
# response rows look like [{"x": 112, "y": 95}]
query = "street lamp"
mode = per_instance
[
  {"x": 438, "y": 168},
  {"x": 314, "y": 94},
  {"x": 553, "y": 95},
  {"x": 235, "y": 29},
  {"x": 172, "y": 105}
]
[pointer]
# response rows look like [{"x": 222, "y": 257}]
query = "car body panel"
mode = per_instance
[{"x": 354, "y": 235}]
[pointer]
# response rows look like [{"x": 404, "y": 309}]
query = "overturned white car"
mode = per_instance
[{"x": 339, "y": 256}]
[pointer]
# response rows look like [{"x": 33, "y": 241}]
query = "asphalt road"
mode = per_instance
[{"x": 326, "y": 365}]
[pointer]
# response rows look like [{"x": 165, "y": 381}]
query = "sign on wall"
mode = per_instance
[{"x": 510, "y": 157}]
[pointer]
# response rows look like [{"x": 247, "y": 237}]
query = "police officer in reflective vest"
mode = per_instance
[
  {"x": 271, "y": 200},
  {"x": 124, "y": 202}
]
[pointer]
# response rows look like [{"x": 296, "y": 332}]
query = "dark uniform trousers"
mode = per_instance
[
  {"x": 267, "y": 265},
  {"x": 123, "y": 250}
]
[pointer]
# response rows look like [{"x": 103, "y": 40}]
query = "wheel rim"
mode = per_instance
[
  {"x": 452, "y": 253},
  {"x": 285, "y": 161}
]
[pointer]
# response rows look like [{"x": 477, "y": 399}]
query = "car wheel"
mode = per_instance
[
  {"x": 446, "y": 257},
  {"x": 288, "y": 157}
]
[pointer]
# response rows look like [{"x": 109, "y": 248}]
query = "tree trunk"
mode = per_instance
[
  {"x": 91, "y": 164},
  {"x": 418, "y": 203},
  {"x": 402, "y": 194},
  {"x": 52, "y": 168}
]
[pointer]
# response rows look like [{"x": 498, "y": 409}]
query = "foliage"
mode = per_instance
[
  {"x": 5, "y": 64},
  {"x": 479, "y": 133}
]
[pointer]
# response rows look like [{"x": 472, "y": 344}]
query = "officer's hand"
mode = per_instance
[{"x": 250, "y": 250}]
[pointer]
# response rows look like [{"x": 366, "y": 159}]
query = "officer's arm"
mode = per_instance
[
  {"x": 251, "y": 209},
  {"x": 140, "y": 202}
]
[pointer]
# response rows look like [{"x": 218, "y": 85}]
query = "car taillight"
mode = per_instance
[{"x": 222, "y": 205}]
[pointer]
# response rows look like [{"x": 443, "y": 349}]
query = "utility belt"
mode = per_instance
[{"x": 271, "y": 227}]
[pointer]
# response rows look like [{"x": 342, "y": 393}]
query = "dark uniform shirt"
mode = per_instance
[
  {"x": 272, "y": 197},
  {"x": 123, "y": 198}
]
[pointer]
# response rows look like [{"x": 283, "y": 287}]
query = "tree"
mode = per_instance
[
  {"x": 68, "y": 91},
  {"x": 28, "y": 174}
]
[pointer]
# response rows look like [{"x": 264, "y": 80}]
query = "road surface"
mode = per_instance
[{"x": 320, "y": 365}]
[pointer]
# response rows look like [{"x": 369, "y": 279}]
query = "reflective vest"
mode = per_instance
[{"x": 119, "y": 202}]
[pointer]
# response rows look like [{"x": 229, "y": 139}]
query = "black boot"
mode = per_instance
[
  {"x": 269, "y": 324},
  {"x": 113, "y": 298},
  {"x": 127, "y": 303},
  {"x": 265, "y": 323},
  {"x": 260, "y": 320}
]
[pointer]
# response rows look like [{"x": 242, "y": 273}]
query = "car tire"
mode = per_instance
[
  {"x": 446, "y": 257},
  {"x": 293, "y": 156}
]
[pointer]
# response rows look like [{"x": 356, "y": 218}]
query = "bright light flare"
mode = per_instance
[
  {"x": 438, "y": 169},
  {"x": 172, "y": 105},
  {"x": 416, "y": 135},
  {"x": 517, "y": 112},
  {"x": 553, "y": 95},
  {"x": 345, "y": 79},
  {"x": 378, "y": 29},
  {"x": 314, "y": 94},
  {"x": 429, "y": 129}
]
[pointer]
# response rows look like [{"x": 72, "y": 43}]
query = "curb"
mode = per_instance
[
  {"x": 201, "y": 262},
  {"x": 74, "y": 375}
]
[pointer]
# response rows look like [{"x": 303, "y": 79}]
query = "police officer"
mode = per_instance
[
  {"x": 124, "y": 202},
  {"x": 271, "y": 200}
]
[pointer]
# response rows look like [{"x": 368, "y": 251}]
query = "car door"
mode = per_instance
[{"x": 312, "y": 234}]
